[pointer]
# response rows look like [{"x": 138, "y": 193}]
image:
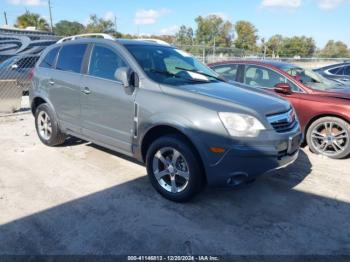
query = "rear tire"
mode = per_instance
[
  {"x": 47, "y": 126},
  {"x": 329, "y": 136},
  {"x": 174, "y": 168}
]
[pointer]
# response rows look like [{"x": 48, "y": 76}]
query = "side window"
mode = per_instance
[
  {"x": 229, "y": 72},
  {"x": 50, "y": 58},
  {"x": 347, "y": 71},
  {"x": 71, "y": 58},
  {"x": 104, "y": 62},
  {"x": 337, "y": 71},
  {"x": 28, "y": 62},
  {"x": 262, "y": 77},
  {"x": 294, "y": 87}
]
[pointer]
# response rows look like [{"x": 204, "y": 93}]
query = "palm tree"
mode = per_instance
[{"x": 32, "y": 19}]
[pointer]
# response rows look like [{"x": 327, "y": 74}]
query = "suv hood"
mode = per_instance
[{"x": 251, "y": 98}]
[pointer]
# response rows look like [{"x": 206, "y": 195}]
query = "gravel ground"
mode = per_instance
[{"x": 82, "y": 199}]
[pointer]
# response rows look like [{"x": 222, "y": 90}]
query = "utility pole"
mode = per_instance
[
  {"x": 5, "y": 16},
  {"x": 115, "y": 24},
  {"x": 50, "y": 15}
]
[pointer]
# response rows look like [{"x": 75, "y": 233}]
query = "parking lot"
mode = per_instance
[{"x": 82, "y": 199}]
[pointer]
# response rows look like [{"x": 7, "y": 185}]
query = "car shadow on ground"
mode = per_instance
[{"x": 271, "y": 216}]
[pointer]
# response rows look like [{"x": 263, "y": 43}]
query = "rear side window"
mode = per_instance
[
  {"x": 347, "y": 71},
  {"x": 71, "y": 58},
  {"x": 229, "y": 72},
  {"x": 50, "y": 58},
  {"x": 104, "y": 62},
  {"x": 337, "y": 71}
]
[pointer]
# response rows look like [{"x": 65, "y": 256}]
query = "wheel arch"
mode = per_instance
[
  {"x": 166, "y": 129},
  {"x": 312, "y": 120},
  {"x": 37, "y": 101}
]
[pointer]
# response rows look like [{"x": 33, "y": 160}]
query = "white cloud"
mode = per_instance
[
  {"x": 172, "y": 30},
  {"x": 329, "y": 4},
  {"x": 150, "y": 16},
  {"x": 223, "y": 15},
  {"x": 26, "y": 2},
  {"x": 281, "y": 3},
  {"x": 109, "y": 16}
]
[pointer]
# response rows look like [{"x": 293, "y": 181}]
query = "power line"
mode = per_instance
[
  {"x": 50, "y": 15},
  {"x": 5, "y": 16}
]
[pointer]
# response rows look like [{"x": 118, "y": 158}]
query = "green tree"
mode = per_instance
[
  {"x": 298, "y": 46},
  {"x": 99, "y": 25},
  {"x": 184, "y": 36},
  {"x": 335, "y": 50},
  {"x": 274, "y": 45},
  {"x": 67, "y": 28},
  {"x": 31, "y": 19},
  {"x": 212, "y": 29},
  {"x": 246, "y": 36}
]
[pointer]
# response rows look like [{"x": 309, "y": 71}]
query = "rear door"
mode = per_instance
[
  {"x": 65, "y": 85},
  {"x": 107, "y": 109}
]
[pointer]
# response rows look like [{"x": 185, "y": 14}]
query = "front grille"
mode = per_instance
[{"x": 283, "y": 123}]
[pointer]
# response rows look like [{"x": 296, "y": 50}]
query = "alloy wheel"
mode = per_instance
[
  {"x": 171, "y": 170},
  {"x": 329, "y": 138},
  {"x": 44, "y": 125}
]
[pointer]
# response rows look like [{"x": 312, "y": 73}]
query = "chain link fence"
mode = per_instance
[{"x": 15, "y": 74}]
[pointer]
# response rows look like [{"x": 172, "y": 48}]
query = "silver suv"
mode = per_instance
[{"x": 161, "y": 106}]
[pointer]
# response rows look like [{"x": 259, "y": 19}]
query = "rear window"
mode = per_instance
[
  {"x": 50, "y": 58},
  {"x": 71, "y": 58}
]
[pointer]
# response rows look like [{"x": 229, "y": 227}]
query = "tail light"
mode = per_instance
[{"x": 31, "y": 74}]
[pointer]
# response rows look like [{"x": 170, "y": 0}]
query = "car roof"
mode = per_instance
[
  {"x": 123, "y": 42},
  {"x": 270, "y": 63}
]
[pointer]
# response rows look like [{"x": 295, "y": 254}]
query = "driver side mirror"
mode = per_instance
[
  {"x": 283, "y": 88},
  {"x": 122, "y": 74},
  {"x": 14, "y": 67},
  {"x": 126, "y": 76}
]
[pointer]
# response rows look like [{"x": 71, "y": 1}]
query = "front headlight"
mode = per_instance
[{"x": 241, "y": 125}]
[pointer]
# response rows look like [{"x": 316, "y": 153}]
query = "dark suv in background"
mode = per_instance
[
  {"x": 323, "y": 106},
  {"x": 160, "y": 105}
]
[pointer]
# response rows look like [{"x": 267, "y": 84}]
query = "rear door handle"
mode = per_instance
[{"x": 86, "y": 91}]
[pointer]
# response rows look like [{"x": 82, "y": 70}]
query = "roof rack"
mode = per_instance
[
  {"x": 153, "y": 40},
  {"x": 93, "y": 35}
]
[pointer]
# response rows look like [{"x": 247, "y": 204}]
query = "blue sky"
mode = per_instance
[{"x": 320, "y": 19}]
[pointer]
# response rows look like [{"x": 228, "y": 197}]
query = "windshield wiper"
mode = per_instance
[
  {"x": 176, "y": 76},
  {"x": 201, "y": 73}
]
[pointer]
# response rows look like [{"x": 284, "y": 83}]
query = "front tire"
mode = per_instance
[
  {"x": 47, "y": 126},
  {"x": 174, "y": 168},
  {"x": 329, "y": 136}
]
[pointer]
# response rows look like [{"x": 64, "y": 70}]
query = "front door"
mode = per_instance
[{"x": 107, "y": 110}]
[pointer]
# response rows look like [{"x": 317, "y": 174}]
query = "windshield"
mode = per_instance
[
  {"x": 311, "y": 78},
  {"x": 168, "y": 65}
]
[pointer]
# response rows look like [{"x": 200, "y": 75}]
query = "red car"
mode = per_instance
[{"x": 322, "y": 106}]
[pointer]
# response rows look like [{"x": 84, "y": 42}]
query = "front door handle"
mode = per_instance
[
  {"x": 51, "y": 82},
  {"x": 86, "y": 91}
]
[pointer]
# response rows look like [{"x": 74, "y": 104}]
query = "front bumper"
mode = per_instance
[{"x": 245, "y": 162}]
